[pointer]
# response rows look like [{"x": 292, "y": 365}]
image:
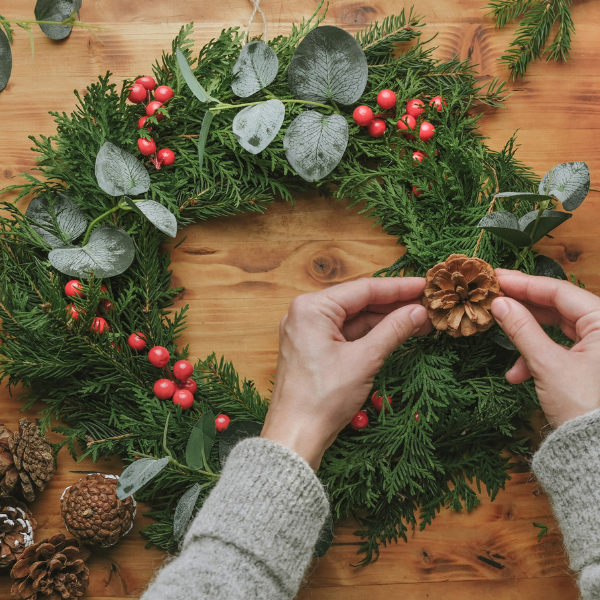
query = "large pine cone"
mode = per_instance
[
  {"x": 53, "y": 569},
  {"x": 458, "y": 295},
  {"x": 16, "y": 530},
  {"x": 32, "y": 454},
  {"x": 9, "y": 476},
  {"x": 93, "y": 513}
]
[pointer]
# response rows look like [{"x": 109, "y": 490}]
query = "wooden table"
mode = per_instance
[{"x": 241, "y": 273}]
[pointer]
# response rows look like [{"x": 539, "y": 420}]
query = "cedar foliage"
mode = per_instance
[{"x": 397, "y": 473}]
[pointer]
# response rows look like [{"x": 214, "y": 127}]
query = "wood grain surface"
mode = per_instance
[{"x": 241, "y": 273}]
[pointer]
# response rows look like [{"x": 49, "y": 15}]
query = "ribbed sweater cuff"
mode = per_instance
[
  {"x": 268, "y": 503},
  {"x": 567, "y": 466}
]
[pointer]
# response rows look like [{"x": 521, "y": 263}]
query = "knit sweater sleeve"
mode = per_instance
[
  {"x": 254, "y": 536},
  {"x": 567, "y": 466}
]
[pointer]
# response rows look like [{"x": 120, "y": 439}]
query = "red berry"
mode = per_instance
[
  {"x": 377, "y": 127},
  {"x": 103, "y": 289},
  {"x": 407, "y": 122},
  {"x": 426, "y": 132},
  {"x": 147, "y": 82},
  {"x": 74, "y": 288},
  {"x": 184, "y": 398},
  {"x": 362, "y": 115},
  {"x": 416, "y": 191},
  {"x": 99, "y": 325},
  {"x": 386, "y": 99},
  {"x": 182, "y": 369},
  {"x": 164, "y": 158},
  {"x": 190, "y": 385},
  {"x": 418, "y": 156},
  {"x": 74, "y": 311},
  {"x": 112, "y": 345},
  {"x": 137, "y": 341},
  {"x": 438, "y": 103},
  {"x": 163, "y": 93},
  {"x": 159, "y": 356},
  {"x": 360, "y": 420},
  {"x": 146, "y": 147},
  {"x": 377, "y": 402},
  {"x": 108, "y": 305},
  {"x": 137, "y": 93},
  {"x": 222, "y": 422},
  {"x": 142, "y": 123},
  {"x": 152, "y": 108},
  {"x": 415, "y": 107},
  {"x": 416, "y": 416},
  {"x": 164, "y": 389}
]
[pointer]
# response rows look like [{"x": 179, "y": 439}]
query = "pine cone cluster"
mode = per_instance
[
  {"x": 53, "y": 569},
  {"x": 93, "y": 513},
  {"x": 16, "y": 530},
  {"x": 459, "y": 293}
]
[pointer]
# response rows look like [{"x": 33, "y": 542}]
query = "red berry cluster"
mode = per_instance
[
  {"x": 361, "y": 419},
  {"x": 140, "y": 92},
  {"x": 74, "y": 288},
  {"x": 363, "y": 115},
  {"x": 179, "y": 386}
]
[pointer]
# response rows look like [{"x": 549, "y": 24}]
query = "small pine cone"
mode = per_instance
[
  {"x": 53, "y": 569},
  {"x": 32, "y": 454},
  {"x": 16, "y": 530},
  {"x": 458, "y": 295},
  {"x": 93, "y": 513},
  {"x": 9, "y": 476}
]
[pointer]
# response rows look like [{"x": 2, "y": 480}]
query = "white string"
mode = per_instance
[{"x": 256, "y": 4}]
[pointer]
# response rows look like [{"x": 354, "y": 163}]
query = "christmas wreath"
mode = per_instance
[{"x": 237, "y": 126}]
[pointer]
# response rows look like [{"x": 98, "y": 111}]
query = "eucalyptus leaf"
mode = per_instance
[
  {"x": 549, "y": 220},
  {"x": 138, "y": 474},
  {"x": 109, "y": 252},
  {"x": 569, "y": 182},
  {"x": 502, "y": 340},
  {"x": 133, "y": 206},
  {"x": 255, "y": 69},
  {"x": 206, "y": 121},
  {"x": 505, "y": 226},
  {"x": 56, "y": 10},
  {"x": 59, "y": 222},
  {"x": 325, "y": 538},
  {"x": 524, "y": 196},
  {"x": 5, "y": 60},
  {"x": 255, "y": 127},
  {"x": 547, "y": 267},
  {"x": 236, "y": 432},
  {"x": 185, "y": 510},
  {"x": 160, "y": 216},
  {"x": 201, "y": 441},
  {"x": 191, "y": 80},
  {"x": 120, "y": 173},
  {"x": 328, "y": 64},
  {"x": 315, "y": 143}
]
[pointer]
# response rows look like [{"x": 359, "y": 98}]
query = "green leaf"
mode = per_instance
[
  {"x": 56, "y": 10},
  {"x": 255, "y": 127},
  {"x": 547, "y": 267},
  {"x": 255, "y": 69},
  {"x": 505, "y": 226},
  {"x": 191, "y": 80},
  {"x": 569, "y": 182},
  {"x": 109, "y": 252},
  {"x": 524, "y": 196},
  {"x": 200, "y": 441},
  {"x": 502, "y": 340},
  {"x": 138, "y": 474},
  {"x": 133, "y": 206},
  {"x": 549, "y": 220},
  {"x": 58, "y": 222},
  {"x": 160, "y": 216},
  {"x": 185, "y": 510},
  {"x": 236, "y": 432},
  {"x": 315, "y": 144},
  {"x": 328, "y": 64},
  {"x": 206, "y": 121},
  {"x": 8, "y": 30},
  {"x": 5, "y": 60},
  {"x": 120, "y": 173},
  {"x": 325, "y": 539}
]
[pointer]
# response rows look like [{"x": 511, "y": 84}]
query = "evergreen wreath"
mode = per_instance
[{"x": 452, "y": 412}]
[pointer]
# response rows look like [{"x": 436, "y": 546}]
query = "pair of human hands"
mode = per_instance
[{"x": 333, "y": 342}]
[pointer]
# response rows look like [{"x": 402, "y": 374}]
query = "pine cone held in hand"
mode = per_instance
[
  {"x": 9, "y": 476},
  {"x": 458, "y": 295},
  {"x": 16, "y": 530},
  {"x": 93, "y": 513},
  {"x": 53, "y": 569}
]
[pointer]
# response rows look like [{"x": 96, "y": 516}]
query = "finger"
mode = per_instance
[
  {"x": 385, "y": 309},
  {"x": 550, "y": 316},
  {"x": 519, "y": 373},
  {"x": 360, "y": 325}
]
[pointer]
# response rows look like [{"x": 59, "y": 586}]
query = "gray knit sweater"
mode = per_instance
[{"x": 254, "y": 536}]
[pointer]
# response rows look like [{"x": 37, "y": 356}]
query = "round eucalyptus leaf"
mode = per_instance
[
  {"x": 236, "y": 432},
  {"x": 5, "y": 60},
  {"x": 255, "y": 127},
  {"x": 569, "y": 182},
  {"x": 160, "y": 216},
  {"x": 109, "y": 252},
  {"x": 138, "y": 474},
  {"x": 58, "y": 222},
  {"x": 328, "y": 64},
  {"x": 549, "y": 220},
  {"x": 56, "y": 10},
  {"x": 120, "y": 173},
  {"x": 505, "y": 226},
  {"x": 315, "y": 143},
  {"x": 185, "y": 510},
  {"x": 523, "y": 196},
  {"x": 255, "y": 68},
  {"x": 547, "y": 267}
]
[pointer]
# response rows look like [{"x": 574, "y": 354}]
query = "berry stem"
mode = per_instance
[
  {"x": 97, "y": 220},
  {"x": 177, "y": 464}
]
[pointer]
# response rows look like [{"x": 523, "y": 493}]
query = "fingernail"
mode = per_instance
[
  {"x": 418, "y": 316},
  {"x": 500, "y": 308}
]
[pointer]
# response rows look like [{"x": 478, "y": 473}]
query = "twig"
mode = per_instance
[
  {"x": 378, "y": 41},
  {"x": 116, "y": 437},
  {"x": 492, "y": 203}
]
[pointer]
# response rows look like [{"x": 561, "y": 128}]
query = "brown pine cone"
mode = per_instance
[
  {"x": 16, "y": 530},
  {"x": 93, "y": 513},
  {"x": 32, "y": 454},
  {"x": 53, "y": 569},
  {"x": 9, "y": 476},
  {"x": 458, "y": 295}
]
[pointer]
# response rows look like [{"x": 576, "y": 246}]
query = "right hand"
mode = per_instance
[{"x": 567, "y": 381}]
